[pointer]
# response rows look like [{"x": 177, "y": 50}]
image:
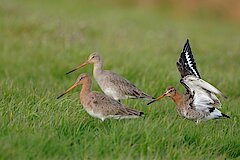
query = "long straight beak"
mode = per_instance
[
  {"x": 82, "y": 65},
  {"x": 75, "y": 85},
  {"x": 157, "y": 99}
]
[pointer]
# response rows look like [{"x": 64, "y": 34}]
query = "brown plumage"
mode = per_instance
[{"x": 100, "y": 105}]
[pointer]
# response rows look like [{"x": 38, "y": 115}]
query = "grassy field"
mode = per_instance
[{"x": 41, "y": 41}]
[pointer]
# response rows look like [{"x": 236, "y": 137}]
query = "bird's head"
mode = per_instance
[
  {"x": 170, "y": 92},
  {"x": 92, "y": 59},
  {"x": 82, "y": 79}
]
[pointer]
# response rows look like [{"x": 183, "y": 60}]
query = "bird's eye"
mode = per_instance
[{"x": 93, "y": 57}]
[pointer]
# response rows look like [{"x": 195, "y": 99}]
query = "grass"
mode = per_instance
[{"x": 40, "y": 42}]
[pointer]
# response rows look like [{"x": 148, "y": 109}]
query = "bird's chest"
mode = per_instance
[
  {"x": 111, "y": 90},
  {"x": 186, "y": 113},
  {"x": 105, "y": 84},
  {"x": 91, "y": 106},
  {"x": 182, "y": 112},
  {"x": 101, "y": 80}
]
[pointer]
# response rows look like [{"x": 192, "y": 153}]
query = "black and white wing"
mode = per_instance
[
  {"x": 203, "y": 92},
  {"x": 204, "y": 96},
  {"x": 186, "y": 63}
]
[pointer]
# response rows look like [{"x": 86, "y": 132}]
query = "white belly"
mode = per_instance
[
  {"x": 114, "y": 94},
  {"x": 96, "y": 115},
  {"x": 109, "y": 89}
]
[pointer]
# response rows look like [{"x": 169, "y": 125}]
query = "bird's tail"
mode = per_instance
[
  {"x": 216, "y": 114},
  {"x": 146, "y": 96},
  {"x": 224, "y": 115},
  {"x": 137, "y": 93},
  {"x": 135, "y": 112}
]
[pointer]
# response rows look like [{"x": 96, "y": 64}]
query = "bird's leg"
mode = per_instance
[
  {"x": 103, "y": 124},
  {"x": 197, "y": 122},
  {"x": 106, "y": 124}
]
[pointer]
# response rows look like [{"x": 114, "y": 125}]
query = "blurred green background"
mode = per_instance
[{"x": 141, "y": 40}]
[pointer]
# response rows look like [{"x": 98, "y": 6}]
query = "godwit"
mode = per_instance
[
  {"x": 100, "y": 105},
  {"x": 200, "y": 99},
  {"x": 111, "y": 83}
]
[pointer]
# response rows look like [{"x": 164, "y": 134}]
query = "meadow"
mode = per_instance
[{"x": 40, "y": 42}]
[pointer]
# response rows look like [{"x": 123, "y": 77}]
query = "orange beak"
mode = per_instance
[
  {"x": 82, "y": 65},
  {"x": 71, "y": 88},
  {"x": 157, "y": 99}
]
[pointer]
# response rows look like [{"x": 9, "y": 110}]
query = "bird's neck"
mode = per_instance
[
  {"x": 86, "y": 88},
  {"x": 98, "y": 67},
  {"x": 177, "y": 98}
]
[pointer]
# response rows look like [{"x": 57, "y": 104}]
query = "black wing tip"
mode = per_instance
[
  {"x": 141, "y": 114},
  {"x": 187, "y": 47},
  {"x": 186, "y": 57},
  {"x": 187, "y": 42},
  {"x": 145, "y": 96},
  {"x": 149, "y": 97}
]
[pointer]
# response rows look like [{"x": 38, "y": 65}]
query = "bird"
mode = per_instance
[
  {"x": 111, "y": 83},
  {"x": 200, "y": 102},
  {"x": 99, "y": 105}
]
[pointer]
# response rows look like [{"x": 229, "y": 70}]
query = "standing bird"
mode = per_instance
[
  {"x": 100, "y": 105},
  {"x": 200, "y": 101},
  {"x": 111, "y": 83}
]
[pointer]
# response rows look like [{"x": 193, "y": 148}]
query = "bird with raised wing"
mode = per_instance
[
  {"x": 111, "y": 83},
  {"x": 99, "y": 105},
  {"x": 200, "y": 102}
]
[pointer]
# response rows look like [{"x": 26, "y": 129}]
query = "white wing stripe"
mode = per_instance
[{"x": 190, "y": 64}]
